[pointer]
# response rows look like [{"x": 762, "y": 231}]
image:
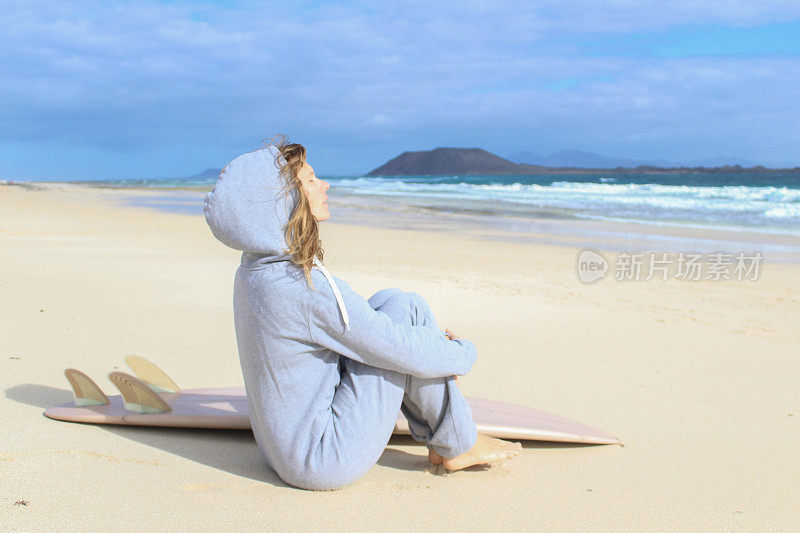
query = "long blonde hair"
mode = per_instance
[{"x": 302, "y": 230}]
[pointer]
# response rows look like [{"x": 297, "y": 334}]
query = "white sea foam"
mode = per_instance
[{"x": 749, "y": 206}]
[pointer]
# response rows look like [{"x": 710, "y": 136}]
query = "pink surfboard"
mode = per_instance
[{"x": 155, "y": 400}]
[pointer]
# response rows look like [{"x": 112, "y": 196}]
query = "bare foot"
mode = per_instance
[
  {"x": 486, "y": 450},
  {"x": 434, "y": 457}
]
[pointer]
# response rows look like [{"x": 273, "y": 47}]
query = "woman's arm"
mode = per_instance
[{"x": 375, "y": 339}]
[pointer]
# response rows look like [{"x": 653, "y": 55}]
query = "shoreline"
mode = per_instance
[{"x": 606, "y": 236}]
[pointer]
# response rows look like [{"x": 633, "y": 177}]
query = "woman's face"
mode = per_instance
[{"x": 315, "y": 190}]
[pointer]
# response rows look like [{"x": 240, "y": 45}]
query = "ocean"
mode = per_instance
[{"x": 762, "y": 202}]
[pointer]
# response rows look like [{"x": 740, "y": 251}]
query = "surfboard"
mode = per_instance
[{"x": 151, "y": 398}]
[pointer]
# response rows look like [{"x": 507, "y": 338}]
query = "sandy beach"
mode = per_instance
[{"x": 699, "y": 380}]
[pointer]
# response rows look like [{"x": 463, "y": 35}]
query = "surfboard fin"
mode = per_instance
[
  {"x": 154, "y": 377},
  {"x": 85, "y": 390},
  {"x": 137, "y": 395}
]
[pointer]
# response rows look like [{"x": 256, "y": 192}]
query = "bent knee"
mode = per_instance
[
  {"x": 417, "y": 302},
  {"x": 380, "y": 297},
  {"x": 407, "y": 307},
  {"x": 411, "y": 298}
]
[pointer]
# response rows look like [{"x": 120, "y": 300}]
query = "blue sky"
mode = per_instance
[{"x": 100, "y": 89}]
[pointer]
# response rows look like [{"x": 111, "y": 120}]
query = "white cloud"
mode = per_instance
[{"x": 142, "y": 75}]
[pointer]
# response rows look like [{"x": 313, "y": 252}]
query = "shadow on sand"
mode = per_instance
[{"x": 233, "y": 451}]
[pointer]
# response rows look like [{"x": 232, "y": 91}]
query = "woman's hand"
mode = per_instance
[{"x": 452, "y": 336}]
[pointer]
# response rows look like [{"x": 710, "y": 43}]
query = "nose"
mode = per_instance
[{"x": 325, "y": 186}]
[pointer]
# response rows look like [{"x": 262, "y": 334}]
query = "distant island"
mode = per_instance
[
  {"x": 477, "y": 161},
  {"x": 209, "y": 173}
]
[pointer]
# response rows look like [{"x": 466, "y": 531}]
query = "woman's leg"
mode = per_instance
[
  {"x": 367, "y": 400},
  {"x": 377, "y": 300},
  {"x": 437, "y": 412}
]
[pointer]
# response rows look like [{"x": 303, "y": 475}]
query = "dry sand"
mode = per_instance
[{"x": 700, "y": 380}]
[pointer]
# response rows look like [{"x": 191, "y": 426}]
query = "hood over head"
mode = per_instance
[
  {"x": 247, "y": 210},
  {"x": 244, "y": 210}
]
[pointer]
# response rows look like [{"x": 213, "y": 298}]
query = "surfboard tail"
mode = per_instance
[
  {"x": 86, "y": 391},
  {"x": 150, "y": 374},
  {"x": 137, "y": 395}
]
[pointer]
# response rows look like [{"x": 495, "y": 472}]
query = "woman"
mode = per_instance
[{"x": 326, "y": 371}]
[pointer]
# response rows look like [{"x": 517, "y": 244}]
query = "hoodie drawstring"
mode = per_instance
[{"x": 336, "y": 292}]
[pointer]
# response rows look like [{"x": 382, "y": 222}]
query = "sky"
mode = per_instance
[{"x": 148, "y": 89}]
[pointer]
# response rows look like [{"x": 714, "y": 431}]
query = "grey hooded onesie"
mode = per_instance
[{"x": 326, "y": 371}]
